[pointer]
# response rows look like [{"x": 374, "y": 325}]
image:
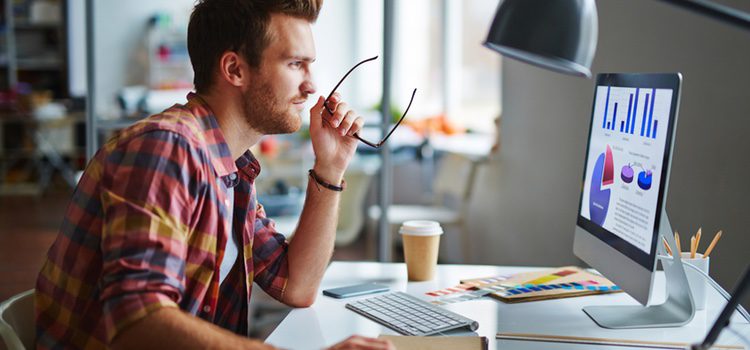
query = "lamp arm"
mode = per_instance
[{"x": 720, "y": 12}]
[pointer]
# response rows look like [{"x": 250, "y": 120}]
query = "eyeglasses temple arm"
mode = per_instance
[
  {"x": 367, "y": 142},
  {"x": 377, "y": 145},
  {"x": 400, "y": 120},
  {"x": 344, "y": 78}
]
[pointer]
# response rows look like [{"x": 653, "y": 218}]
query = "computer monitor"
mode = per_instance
[{"x": 621, "y": 216}]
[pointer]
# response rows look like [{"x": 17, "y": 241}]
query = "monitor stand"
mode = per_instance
[{"x": 677, "y": 310}]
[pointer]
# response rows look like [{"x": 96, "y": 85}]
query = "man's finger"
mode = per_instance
[
  {"x": 341, "y": 110},
  {"x": 316, "y": 113},
  {"x": 359, "y": 123},
  {"x": 370, "y": 343},
  {"x": 364, "y": 343},
  {"x": 333, "y": 102},
  {"x": 347, "y": 122}
]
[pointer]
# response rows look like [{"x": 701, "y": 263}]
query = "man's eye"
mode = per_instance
[{"x": 296, "y": 64}]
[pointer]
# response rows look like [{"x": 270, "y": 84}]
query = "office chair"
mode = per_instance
[
  {"x": 17, "y": 326},
  {"x": 351, "y": 208},
  {"x": 352, "y": 211},
  {"x": 452, "y": 187}
]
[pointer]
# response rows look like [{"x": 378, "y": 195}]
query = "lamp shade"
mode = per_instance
[{"x": 554, "y": 34}]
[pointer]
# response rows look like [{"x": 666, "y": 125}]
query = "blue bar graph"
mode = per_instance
[
  {"x": 614, "y": 117},
  {"x": 630, "y": 109},
  {"x": 649, "y": 123},
  {"x": 651, "y": 112},
  {"x": 645, "y": 112},
  {"x": 606, "y": 108},
  {"x": 635, "y": 109}
]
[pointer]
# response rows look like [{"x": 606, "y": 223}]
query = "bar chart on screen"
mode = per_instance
[{"x": 625, "y": 109}]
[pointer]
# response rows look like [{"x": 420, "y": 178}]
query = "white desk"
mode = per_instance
[{"x": 327, "y": 321}]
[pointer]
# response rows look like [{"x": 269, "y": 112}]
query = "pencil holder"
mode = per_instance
[{"x": 696, "y": 280}]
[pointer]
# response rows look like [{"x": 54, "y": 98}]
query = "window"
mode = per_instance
[{"x": 437, "y": 49}]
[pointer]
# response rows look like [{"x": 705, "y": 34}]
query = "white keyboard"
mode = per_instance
[{"x": 410, "y": 315}]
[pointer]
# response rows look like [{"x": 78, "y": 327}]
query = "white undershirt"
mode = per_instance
[{"x": 231, "y": 250}]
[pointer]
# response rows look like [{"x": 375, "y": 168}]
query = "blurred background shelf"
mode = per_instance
[{"x": 42, "y": 135}]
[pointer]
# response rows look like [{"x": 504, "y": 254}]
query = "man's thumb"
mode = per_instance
[{"x": 316, "y": 111}]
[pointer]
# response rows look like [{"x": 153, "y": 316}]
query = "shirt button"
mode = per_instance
[
  {"x": 207, "y": 308},
  {"x": 233, "y": 176}
]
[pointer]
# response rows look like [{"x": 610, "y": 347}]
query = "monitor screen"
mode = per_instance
[{"x": 626, "y": 165}]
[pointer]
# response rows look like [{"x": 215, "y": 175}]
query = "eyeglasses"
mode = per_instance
[{"x": 371, "y": 144}]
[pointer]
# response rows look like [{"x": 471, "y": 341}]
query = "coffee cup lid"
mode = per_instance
[{"x": 421, "y": 228}]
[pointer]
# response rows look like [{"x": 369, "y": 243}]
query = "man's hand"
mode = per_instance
[
  {"x": 358, "y": 342},
  {"x": 331, "y": 136}
]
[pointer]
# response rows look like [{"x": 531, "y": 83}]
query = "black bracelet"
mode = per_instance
[{"x": 319, "y": 182}]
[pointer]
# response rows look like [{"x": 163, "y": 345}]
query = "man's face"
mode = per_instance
[{"x": 280, "y": 86}]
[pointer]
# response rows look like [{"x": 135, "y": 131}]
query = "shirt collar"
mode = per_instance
[
  {"x": 248, "y": 165},
  {"x": 221, "y": 157}
]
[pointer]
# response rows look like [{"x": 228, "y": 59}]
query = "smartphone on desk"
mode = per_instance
[{"x": 355, "y": 290}]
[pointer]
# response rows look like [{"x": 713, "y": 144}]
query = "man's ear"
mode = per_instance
[{"x": 233, "y": 69}]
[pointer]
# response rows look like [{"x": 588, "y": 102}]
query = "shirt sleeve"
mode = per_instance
[
  {"x": 149, "y": 186},
  {"x": 270, "y": 248}
]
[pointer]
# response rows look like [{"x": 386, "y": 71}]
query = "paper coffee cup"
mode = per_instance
[{"x": 421, "y": 242}]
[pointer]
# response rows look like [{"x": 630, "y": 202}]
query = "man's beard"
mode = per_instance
[{"x": 267, "y": 114}]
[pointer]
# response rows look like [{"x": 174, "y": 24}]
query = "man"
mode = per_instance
[{"x": 163, "y": 237}]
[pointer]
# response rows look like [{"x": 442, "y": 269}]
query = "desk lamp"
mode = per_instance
[{"x": 561, "y": 35}]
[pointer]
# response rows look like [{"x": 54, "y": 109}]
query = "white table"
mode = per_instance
[{"x": 327, "y": 321}]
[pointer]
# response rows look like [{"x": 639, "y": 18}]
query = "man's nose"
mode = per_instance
[{"x": 308, "y": 87}]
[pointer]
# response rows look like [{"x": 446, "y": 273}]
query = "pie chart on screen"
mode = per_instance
[
  {"x": 609, "y": 168},
  {"x": 644, "y": 179},
  {"x": 602, "y": 177},
  {"x": 627, "y": 174}
]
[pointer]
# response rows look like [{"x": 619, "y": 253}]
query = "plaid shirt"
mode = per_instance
[{"x": 146, "y": 229}]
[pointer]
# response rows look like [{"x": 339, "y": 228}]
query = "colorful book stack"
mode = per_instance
[{"x": 563, "y": 282}]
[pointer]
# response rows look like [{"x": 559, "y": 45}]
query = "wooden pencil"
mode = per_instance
[
  {"x": 698, "y": 239},
  {"x": 692, "y": 247},
  {"x": 669, "y": 251},
  {"x": 712, "y": 245}
]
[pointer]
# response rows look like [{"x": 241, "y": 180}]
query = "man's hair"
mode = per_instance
[{"x": 217, "y": 26}]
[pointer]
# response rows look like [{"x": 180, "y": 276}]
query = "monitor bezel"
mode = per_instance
[{"x": 670, "y": 81}]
